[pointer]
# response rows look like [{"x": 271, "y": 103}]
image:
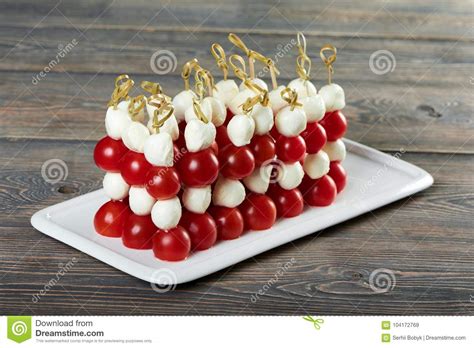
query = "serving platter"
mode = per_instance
[{"x": 375, "y": 179}]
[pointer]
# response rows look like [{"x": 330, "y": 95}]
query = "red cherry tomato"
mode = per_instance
[
  {"x": 172, "y": 245},
  {"x": 109, "y": 219},
  {"x": 108, "y": 152},
  {"x": 201, "y": 229},
  {"x": 134, "y": 168},
  {"x": 274, "y": 133},
  {"x": 263, "y": 148},
  {"x": 289, "y": 203},
  {"x": 338, "y": 174},
  {"x": 258, "y": 211},
  {"x": 215, "y": 148},
  {"x": 335, "y": 124},
  {"x": 314, "y": 136},
  {"x": 181, "y": 142},
  {"x": 228, "y": 117},
  {"x": 229, "y": 222},
  {"x": 236, "y": 162},
  {"x": 162, "y": 182},
  {"x": 222, "y": 138},
  {"x": 318, "y": 192},
  {"x": 197, "y": 169},
  {"x": 138, "y": 232},
  {"x": 290, "y": 149}
]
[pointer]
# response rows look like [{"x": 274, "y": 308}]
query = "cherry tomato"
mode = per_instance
[
  {"x": 172, "y": 245},
  {"x": 197, "y": 169},
  {"x": 108, "y": 152},
  {"x": 335, "y": 124},
  {"x": 314, "y": 136},
  {"x": 263, "y": 148},
  {"x": 228, "y": 117},
  {"x": 109, "y": 219},
  {"x": 289, "y": 203},
  {"x": 222, "y": 138},
  {"x": 215, "y": 148},
  {"x": 134, "y": 168},
  {"x": 258, "y": 211},
  {"x": 338, "y": 174},
  {"x": 162, "y": 182},
  {"x": 290, "y": 149},
  {"x": 274, "y": 133},
  {"x": 318, "y": 192},
  {"x": 138, "y": 232},
  {"x": 201, "y": 229},
  {"x": 236, "y": 162},
  {"x": 181, "y": 142},
  {"x": 229, "y": 222}
]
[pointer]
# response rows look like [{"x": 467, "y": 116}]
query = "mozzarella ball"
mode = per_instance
[
  {"x": 316, "y": 165},
  {"x": 276, "y": 101},
  {"x": 206, "y": 108},
  {"x": 263, "y": 117},
  {"x": 291, "y": 175},
  {"x": 114, "y": 186},
  {"x": 259, "y": 180},
  {"x": 333, "y": 96},
  {"x": 336, "y": 150},
  {"x": 197, "y": 199},
  {"x": 241, "y": 129},
  {"x": 166, "y": 213},
  {"x": 181, "y": 102},
  {"x": 289, "y": 122},
  {"x": 236, "y": 103},
  {"x": 256, "y": 81},
  {"x": 140, "y": 200},
  {"x": 313, "y": 107},
  {"x": 226, "y": 90},
  {"x": 134, "y": 136},
  {"x": 304, "y": 88},
  {"x": 170, "y": 126},
  {"x": 199, "y": 135},
  {"x": 158, "y": 150},
  {"x": 228, "y": 193},
  {"x": 116, "y": 120},
  {"x": 218, "y": 110}
]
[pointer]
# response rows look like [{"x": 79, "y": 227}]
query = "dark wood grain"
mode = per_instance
[{"x": 423, "y": 107}]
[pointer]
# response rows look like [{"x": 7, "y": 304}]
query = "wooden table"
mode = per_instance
[{"x": 421, "y": 107}]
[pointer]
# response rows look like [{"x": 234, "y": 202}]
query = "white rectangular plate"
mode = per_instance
[{"x": 374, "y": 180}]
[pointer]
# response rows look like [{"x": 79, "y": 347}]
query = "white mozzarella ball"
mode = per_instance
[
  {"x": 304, "y": 88},
  {"x": 263, "y": 117},
  {"x": 291, "y": 175},
  {"x": 158, "y": 150},
  {"x": 218, "y": 110},
  {"x": 259, "y": 180},
  {"x": 276, "y": 101},
  {"x": 289, "y": 122},
  {"x": 256, "y": 81},
  {"x": 206, "y": 108},
  {"x": 166, "y": 213},
  {"x": 236, "y": 103},
  {"x": 241, "y": 129},
  {"x": 336, "y": 150},
  {"x": 333, "y": 96},
  {"x": 140, "y": 200},
  {"x": 134, "y": 136},
  {"x": 170, "y": 126},
  {"x": 314, "y": 107},
  {"x": 199, "y": 135},
  {"x": 116, "y": 120},
  {"x": 226, "y": 90},
  {"x": 316, "y": 165},
  {"x": 181, "y": 102},
  {"x": 228, "y": 193},
  {"x": 114, "y": 186},
  {"x": 197, "y": 199}
]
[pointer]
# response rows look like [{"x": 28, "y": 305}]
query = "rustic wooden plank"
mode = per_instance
[
  {"x": 382, "y": 114},
  {"x": 381, "y": 18}
]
